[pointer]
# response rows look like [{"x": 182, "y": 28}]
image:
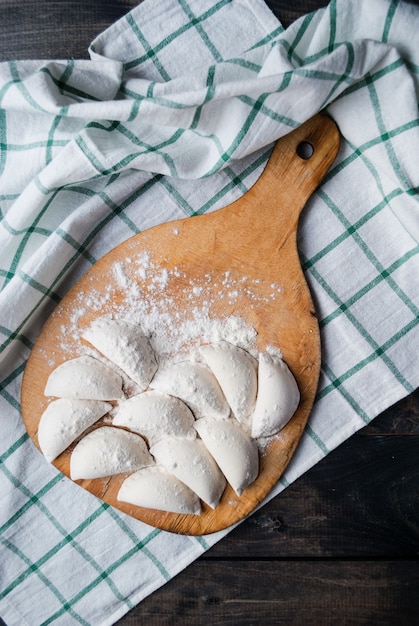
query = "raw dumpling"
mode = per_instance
[
  {"x": 155, "y": 415},
  {"x": 106, "y": 451},
  {"x": 86, "y": 378},
  {"x": 191, "y": 463},
  {"x": 154, "y": 488},
  {"x": 195, "y": 385},
  {"x": 278, "y": 396},
  {"x": 235, "y": 452},
  {"x": 236, "y": 371},
  {"x": 64, "y": 420},
  {"x": 126, "y": 346}
]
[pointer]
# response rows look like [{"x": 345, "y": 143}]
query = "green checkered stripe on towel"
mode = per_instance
[
  {"x": 69, "y": 598},
  {"x": 93, "y": 152}
]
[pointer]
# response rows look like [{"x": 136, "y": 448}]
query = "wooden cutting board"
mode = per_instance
[{"x": 252, "y": 242}]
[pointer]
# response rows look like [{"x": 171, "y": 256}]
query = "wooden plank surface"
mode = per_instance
[
  {"x": 293, "y": 593},
  {"x": 341, "y": 544},
  {"x": 362, "y": 501},
  {"x": 45, "y": 29}
]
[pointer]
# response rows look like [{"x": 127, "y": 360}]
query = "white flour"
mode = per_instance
[
  {"x": 172, "y": 333},
  {"x": 139, "y": 291}
]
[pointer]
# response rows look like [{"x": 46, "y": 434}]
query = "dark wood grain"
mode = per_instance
[
  {"x": 316, "y": 593},
  {"x": 52, "y": 29},
  {"x": 44, "y": 29},
  {"x": 341, "y": 544},
  {"x": 361, "y": 501}
]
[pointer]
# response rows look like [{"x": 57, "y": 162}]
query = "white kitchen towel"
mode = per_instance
[{"x": 174, "y": 115}]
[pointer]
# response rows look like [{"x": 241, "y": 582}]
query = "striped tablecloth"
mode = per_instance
[{"x": 93, "y": 151}]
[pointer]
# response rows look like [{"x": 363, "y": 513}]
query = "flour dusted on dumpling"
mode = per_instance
[
  {"x": 278, "y": 396},
  {"x": 196, "y": 385},
  {"x": 107, "y": 451},
  {"x": 66, "y": 419},
  {"x": 155, "y": 415},
  {"x": 234, "y": 451},
  {"x": 86, "y": 378},
  {"x": 153, "y": 487},
  {"x": 190, "y": 461},
  {"x": 236, "y": 372},
  {"x": 125, "y": 345}
]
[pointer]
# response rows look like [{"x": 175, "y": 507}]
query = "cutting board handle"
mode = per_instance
[
  {"x": 297, "y": 165},
  {"x": 302, "y": 158}
]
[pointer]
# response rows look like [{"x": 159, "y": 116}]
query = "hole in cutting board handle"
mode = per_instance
[{"x": 305, "y": 150}]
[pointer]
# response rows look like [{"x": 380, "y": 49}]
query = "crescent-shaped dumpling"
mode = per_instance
[
  {"x": 107, "y": 451},
  {"x": 86, "y": 378},
  {"x": 278, "y": 396},
  {"x": 236, "y": 371},
  {"x": 154, "y": 488},
  {"x": 190, "y": 461},
  {"x": 155, "y": 415},
  {"x": 125, "y": 345},
  {"x": 195, "y": 385},
  {"x": 235, "y": 452},
  {"x": 64, "y": 420}
]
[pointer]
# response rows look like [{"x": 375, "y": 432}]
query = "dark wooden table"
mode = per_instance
[{"x": 341, "y": 544}]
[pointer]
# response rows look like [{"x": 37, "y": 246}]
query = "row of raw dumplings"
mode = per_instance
[{"x": 191, "y": 428}]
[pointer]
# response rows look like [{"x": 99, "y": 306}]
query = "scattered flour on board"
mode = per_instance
[
  {"x": 137, "y": 291},
  {"x": 172, "y": 334}
]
